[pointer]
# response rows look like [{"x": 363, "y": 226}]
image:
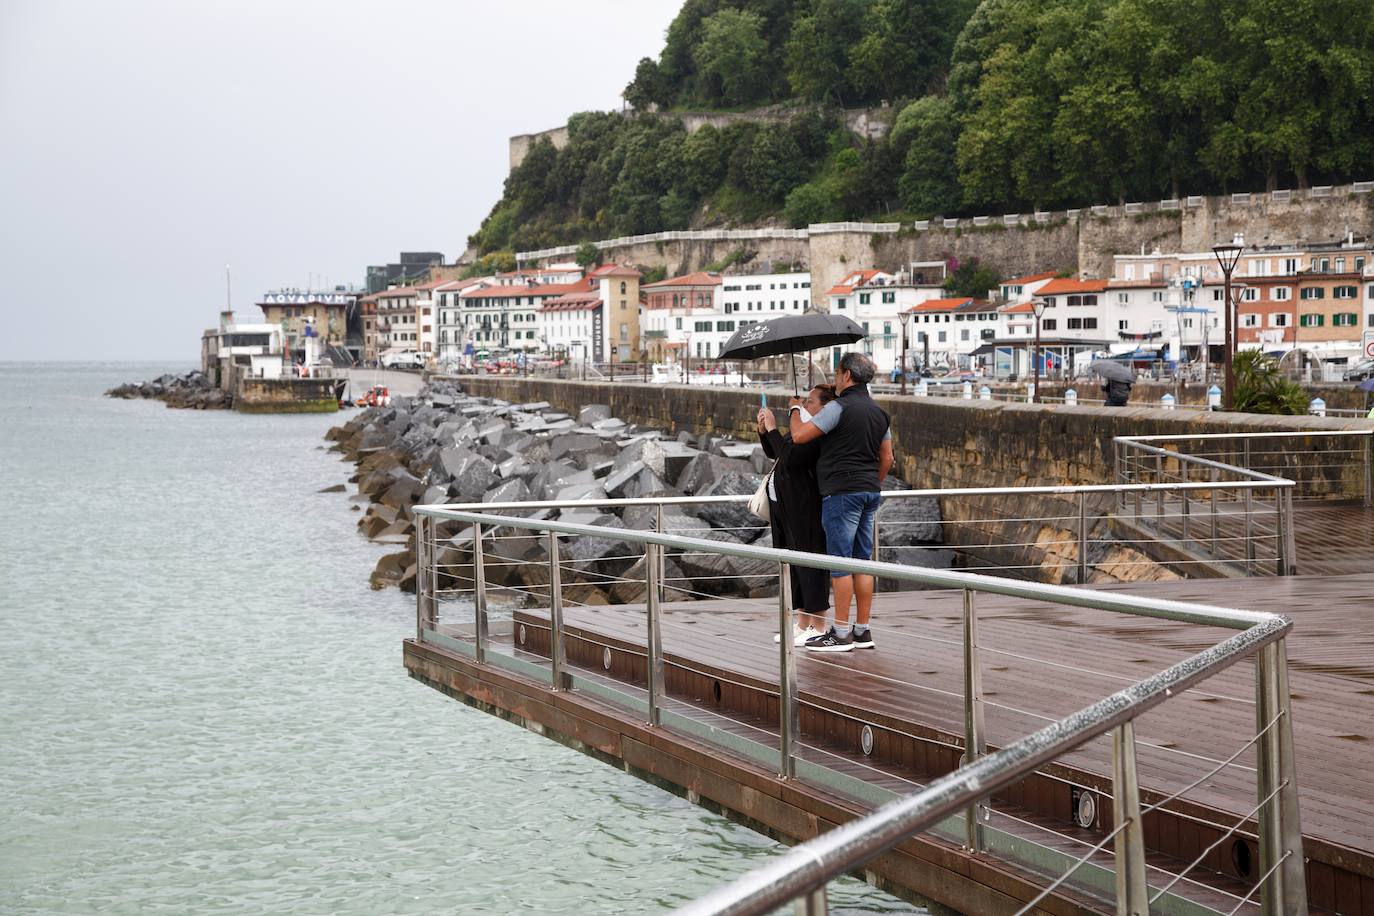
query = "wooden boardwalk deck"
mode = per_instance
[{"x": 1042, "y": 662}]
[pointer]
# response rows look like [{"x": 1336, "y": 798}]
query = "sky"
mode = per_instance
[{"x": 146, "y": 145}]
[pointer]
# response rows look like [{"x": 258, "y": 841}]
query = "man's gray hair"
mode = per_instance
[{"x": 860, "y": 368}]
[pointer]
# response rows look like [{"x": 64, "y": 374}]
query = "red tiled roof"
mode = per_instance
[
  {"x": 1017, "y": 309},
  {"x": 614, "y": 270},
  {"x": 851, "y": 280},
  {"x": 399, "y": 292},
  {"x": 538, "y": 289},
  {"x": 699, "y": 278},
  {"x": 1033, "y": 278},
  {"x": 1067, "y": 285},
  {"x": 941, "y": 305},
  {"x": 577, "y": 295}
]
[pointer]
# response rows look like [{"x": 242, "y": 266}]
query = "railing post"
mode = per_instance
[
  {"x": 658, "y": 526},
  {"x": 1159, "y": 493},
  {"x": 1131, "y": 891},
  {"x": 1280, "y": 831},
  {"x": 1082, "y": 538},
  {"x": 432, "y": 554},
  {"x": 1186, "y": 472},
  {"x": 814, "y": 903},
  {"x": 789, "y": 711},
  {"x": 654, "y": 644},
  {"x": 975, "y": 733},
  {"x": 558, "y": 652},
  {"x": 876, "y": 549},
  {"x": 1368, "y": 471},
  {"x": 1216, "y": 517},
  {"x": 1288, "y": 561},
  {"x": 479, "y": 596},
  {"x": 421, "y": 612}
]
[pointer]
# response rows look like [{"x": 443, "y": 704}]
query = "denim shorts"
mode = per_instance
[{"x": 848, "y": 522}]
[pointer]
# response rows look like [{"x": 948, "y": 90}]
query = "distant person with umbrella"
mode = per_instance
[
  {"x": 856, "y": 454},
  {"x": 1117, "y": 380},
  {"x": 794, "y": 512}
]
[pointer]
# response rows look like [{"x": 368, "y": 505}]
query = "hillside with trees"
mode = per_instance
[{"x": 1002, "y": 106}]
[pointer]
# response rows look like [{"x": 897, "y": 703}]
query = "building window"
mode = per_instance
[
  {"x": 1312, "y": 321},
  {"x": 1249, "y": 321},
  {"x": 1249, "y": 294},
  {"x": 702, "y": 326},
  {"x": 963, "y": 335},
  {"x": 839, "y": 303},
  {"x": 1050, "y": 324},
  {"x": 1312, "y": 292},
  {"x": 942, "y": 337},
  {"x": 725, "y": 325},
  {"x": 1121, "y": 325},
  {"x": 887, "y": 326},
  {"x": 1345, "y": 320},
  {"x": 864, "y": 298},
  {"x": 889, "y": 297},
  {"x": 1281, "y": 293},
  {"x": 1345, "y": 292},
  {"x": 1157, "y": 295},
  {"x": 1123, "y": 298},
  {"x": 677, "y": 324}
]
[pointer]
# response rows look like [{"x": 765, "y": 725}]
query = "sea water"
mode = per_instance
[{"x": 203, "y": 706}]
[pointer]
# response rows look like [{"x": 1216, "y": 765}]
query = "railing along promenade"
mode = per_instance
[{"x": 483, "y": 567}]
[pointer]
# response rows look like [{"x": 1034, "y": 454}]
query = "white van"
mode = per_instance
[{"x": 402, "y": 359}]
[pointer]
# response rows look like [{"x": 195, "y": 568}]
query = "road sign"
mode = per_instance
[{"x": 1369, "y": 344}]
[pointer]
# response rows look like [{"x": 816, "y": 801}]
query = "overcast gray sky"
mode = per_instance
[{"x": 145, "y": 145}]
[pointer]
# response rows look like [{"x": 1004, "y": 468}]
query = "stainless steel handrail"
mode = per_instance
[
  {"x": 815, "y": 862},
  {"x": 805, "y": 870}
]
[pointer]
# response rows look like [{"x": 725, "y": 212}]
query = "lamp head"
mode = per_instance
[
  {"x": 1228, "y": 254},
  {"x": 1038, "y": 306}
]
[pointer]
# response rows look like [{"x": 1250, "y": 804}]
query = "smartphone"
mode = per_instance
[{"x": 763, "y": 399}]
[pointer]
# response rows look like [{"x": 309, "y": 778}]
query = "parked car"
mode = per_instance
[
  {"x": 1360, "y": 371},
  {"x": 402, "y": 359}
]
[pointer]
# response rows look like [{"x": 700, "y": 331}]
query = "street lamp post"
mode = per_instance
[
  {"x": 905, "y": 316},
  {"x": 1227, "y": 257},
  {"x": 1037, "y": 306}
]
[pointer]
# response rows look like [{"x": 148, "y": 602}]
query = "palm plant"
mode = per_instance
[{"x": 1262, "y": 388}]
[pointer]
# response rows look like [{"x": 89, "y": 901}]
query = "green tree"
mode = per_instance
[
  {"x": 732, "y": 55},
  {"x": 775, "y": 163},
  {"x": 705, "y": 160},
  {"x": 929, "y": 183},
  {"x": 807, "y": 204},
  {"x": 969, "y": 278},
  {"x": 817, "y": 51},
  {"x": 648, "y": 87},
  {"x": 588, "y": 255},
  {"x": 906, "y": 48}
]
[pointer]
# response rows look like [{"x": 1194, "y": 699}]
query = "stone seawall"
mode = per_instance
[{"x": 953, "y": 443}]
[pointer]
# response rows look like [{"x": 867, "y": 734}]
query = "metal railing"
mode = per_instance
[
  {"x": 1209, "y": 517},
  {"x": 956, "y": 806}
]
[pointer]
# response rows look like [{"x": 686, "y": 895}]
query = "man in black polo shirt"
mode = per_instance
[{"x": 856, "y": 454}]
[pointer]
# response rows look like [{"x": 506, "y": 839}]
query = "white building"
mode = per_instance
[
  {"x": 768, "y": 295},
  {"x": 451, "y": 330},
  {"x": 397, "y": 328},
  {"x": 879, "y": 301},
  {"x": 596, "y": 319}
]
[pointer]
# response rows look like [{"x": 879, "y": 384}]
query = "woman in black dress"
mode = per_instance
[{"x": 794, "y": 510}]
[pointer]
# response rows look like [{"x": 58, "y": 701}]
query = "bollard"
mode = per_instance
[
  {"x": 922, "y": 389},
  {"x": 1317, "y": 408},
  {"x": 1214, "y": 398},
  {"x": 1070, "y": 397},
  {"x": 968, "y": 391},
  {"x": 1167, "y": 402},
  {"x": 1030, "y": 392},
  {"x": 985, "y": 393}
]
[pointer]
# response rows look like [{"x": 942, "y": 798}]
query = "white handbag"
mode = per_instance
[{"x": 758, "y": 503}]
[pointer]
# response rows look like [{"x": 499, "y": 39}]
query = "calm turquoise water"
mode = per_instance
[{"x": 204, "y": 708}]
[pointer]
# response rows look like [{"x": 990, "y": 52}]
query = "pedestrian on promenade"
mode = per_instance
[
  {"x": 1118, "y": 392},
  {"x": 856, "y": 454},
  {"x": 794, "y": 512}
]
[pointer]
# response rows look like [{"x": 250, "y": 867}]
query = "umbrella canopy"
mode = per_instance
[
  {"x": 1366, "y": 385},
  {"x": 1112, "y": 371},
  {"x": 791, "y": 334}
]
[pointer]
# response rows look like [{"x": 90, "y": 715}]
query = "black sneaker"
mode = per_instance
[
  {"x": 830, "y": 641},
  {"x": 863, "y": 640}
]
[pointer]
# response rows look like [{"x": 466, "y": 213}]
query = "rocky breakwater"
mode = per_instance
[
  {"x": 443, "y": 446},
  {"x": 192, "y": 391}
]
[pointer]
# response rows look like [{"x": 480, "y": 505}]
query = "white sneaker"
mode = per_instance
[{"x": 800, "y": 636}]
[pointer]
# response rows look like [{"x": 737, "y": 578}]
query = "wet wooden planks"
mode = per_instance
[{"x": 1042, "y": 662}]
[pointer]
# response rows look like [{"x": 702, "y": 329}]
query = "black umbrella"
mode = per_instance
[
  {"x": 791, "y": 334},
  {"x": 1112, "y": 371}
]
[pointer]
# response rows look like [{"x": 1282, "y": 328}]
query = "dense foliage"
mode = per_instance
[
  {"x": 1014, "y": 105},
  {"x": 1262, "y": 388}
]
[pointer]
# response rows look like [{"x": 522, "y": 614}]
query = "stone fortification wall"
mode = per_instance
[
  {"x": 870, "y": 123},
  {"x": 1082, "y": 240},
  {"x": 286, "y": 395}
]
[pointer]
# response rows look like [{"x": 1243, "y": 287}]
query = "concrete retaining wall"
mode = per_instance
[{"x": 288, "y": 395}]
